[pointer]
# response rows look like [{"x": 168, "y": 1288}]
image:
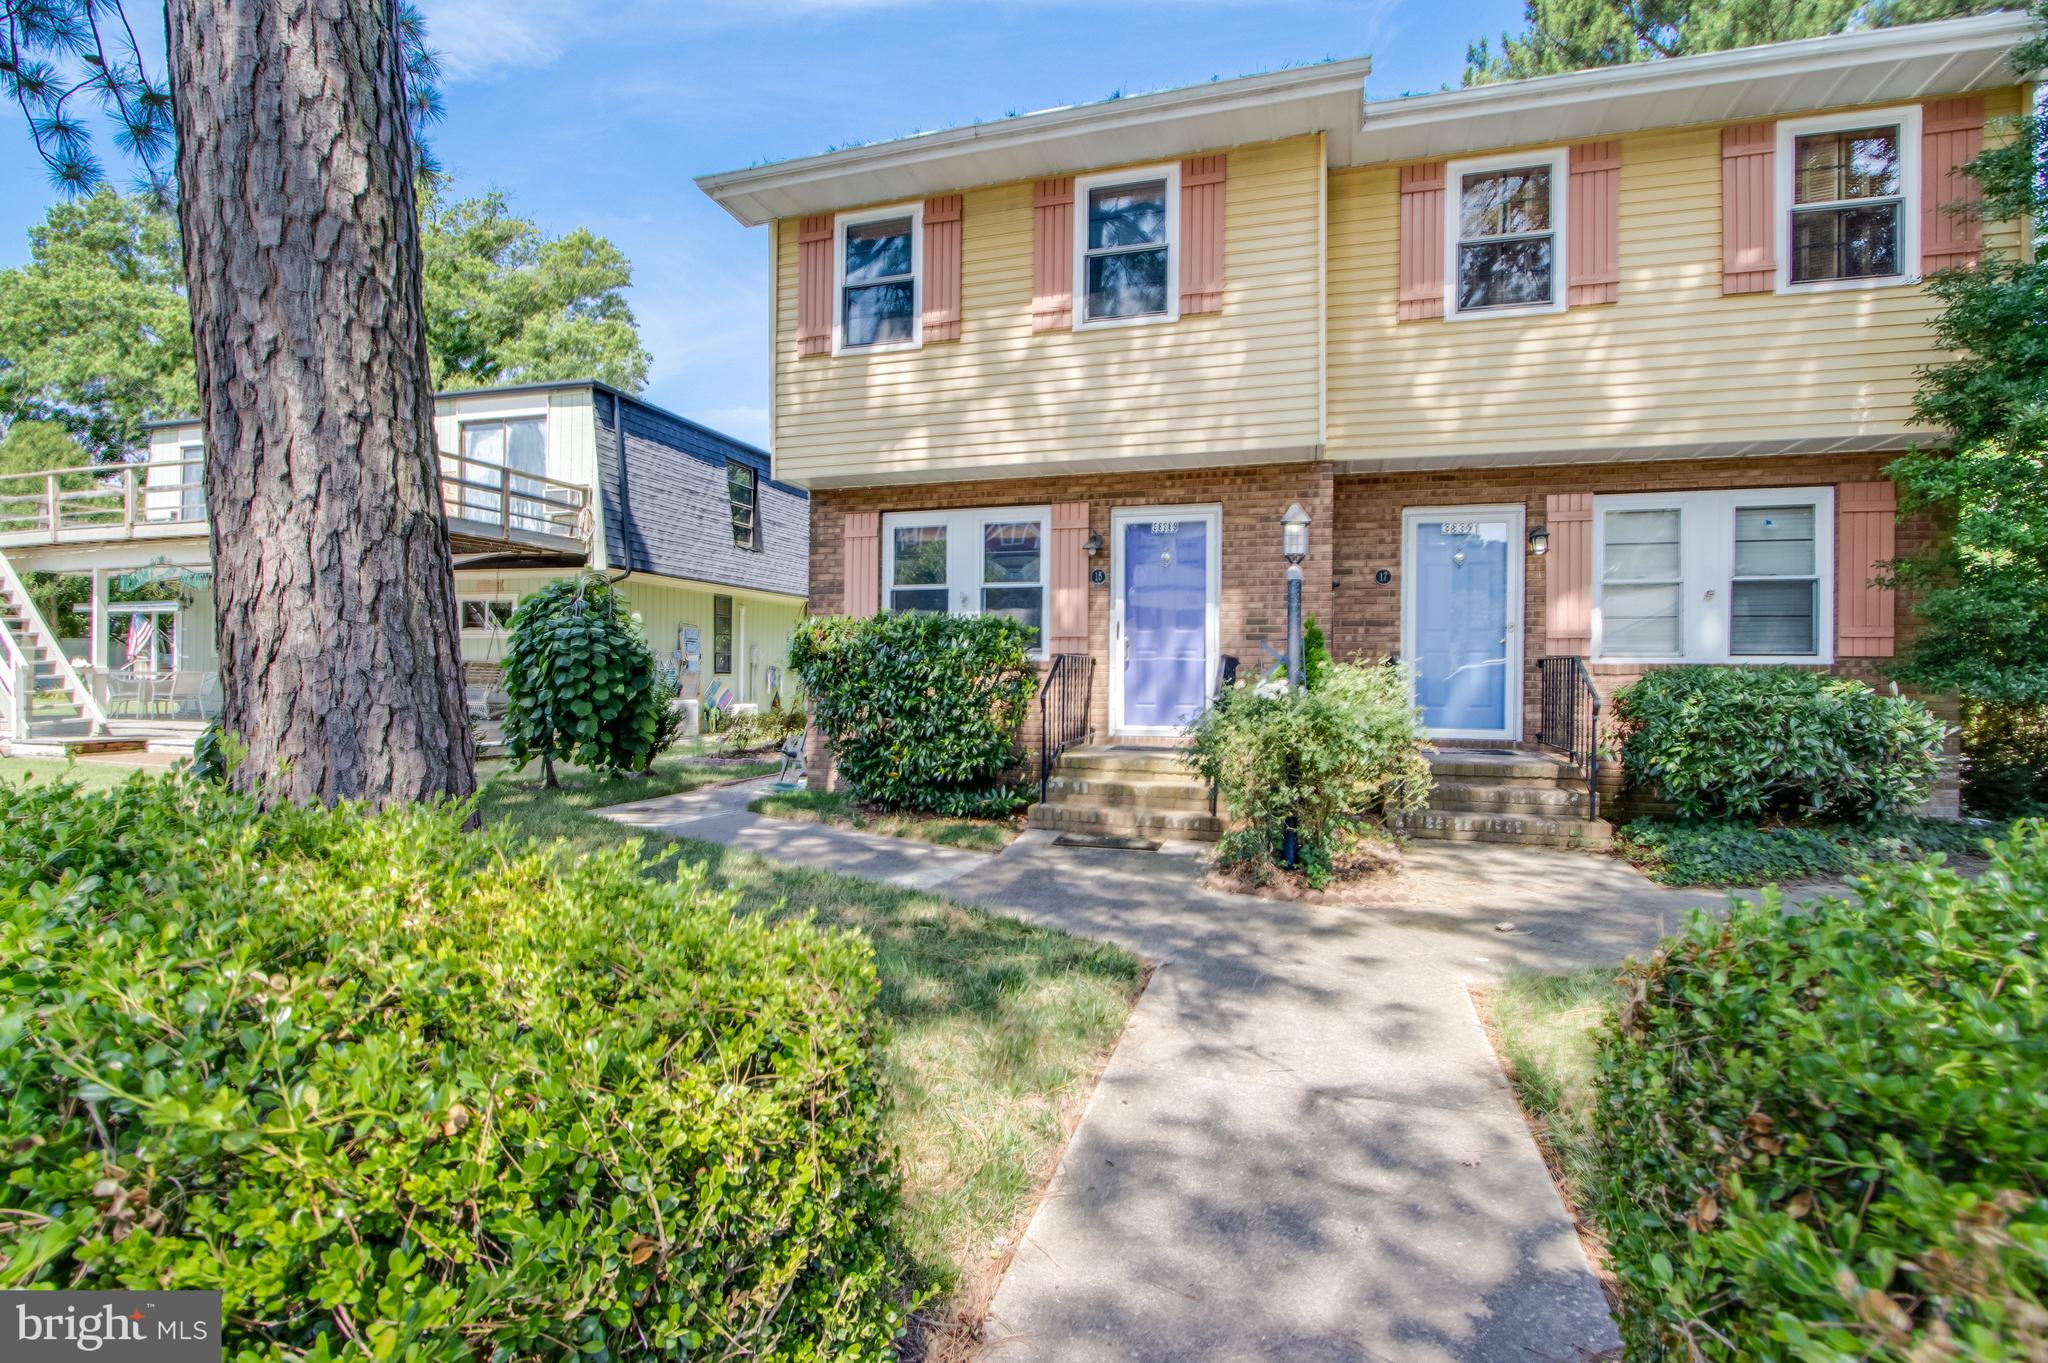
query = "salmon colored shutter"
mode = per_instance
[
  {"x": 1866, "y": 538},
  {"x": 863, "y": 562},
  {"x": 814, "y": 285},
  {"x": 942, "y": 268},
  {"x": 1951, "y": 135},
  {"x": 1568, "y": 574},
  {"x": 1201, "y": 234},
  {"x": 1594, "y": 224},
  {"x": 1749, "y": 257},
  {"x": 1052, "y": 254},
  {"x": 1068, "y": 632},
  {"x": 1422, "y": 242}
]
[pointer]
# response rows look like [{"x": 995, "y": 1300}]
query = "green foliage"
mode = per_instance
[
  {"x": 400, "y": 1092},
  {"x": 1720, "y": 741},
  {"x": 1572, "y": 35},
  {"x": 669, "y": 715},
  {"x": 506, "y": 303},
  {"x": 1822, "y": 1131},
  {"x": 1316, "y": 661},
  {"x": 1346, "y": 749},
  {"x": 764, "y": 729},
  {"x": 923, "y": 711},
  {"x": 2005, "y": 759},
  {"x": 1734, "y": 852},
  {"x": 579, "y": 680}
]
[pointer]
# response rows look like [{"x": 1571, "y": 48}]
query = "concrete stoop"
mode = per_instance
[
  {"x": 1117, "y": 791},
  {"x": 1520, "y": 798}
]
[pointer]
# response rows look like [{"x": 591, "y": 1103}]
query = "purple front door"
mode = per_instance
[{"x": 1165, "y": 567}]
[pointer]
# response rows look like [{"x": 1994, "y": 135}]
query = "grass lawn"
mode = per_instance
[
  {"x": 1543, "y": 1026},
  {"x": 997, "y": 1028},
  {"x": 820, "y": 806},
  {"x": 91, "y": 775}
]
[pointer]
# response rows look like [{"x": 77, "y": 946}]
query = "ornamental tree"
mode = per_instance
[{"x": 581, "y": 681}]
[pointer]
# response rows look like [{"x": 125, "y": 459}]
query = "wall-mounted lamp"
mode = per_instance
[
  {"x": 1539, "y": 541},
  {"x": 1093, "y": 545}
]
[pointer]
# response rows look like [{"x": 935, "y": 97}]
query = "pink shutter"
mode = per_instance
[
  {"x": 1866, "y": 538},
  {"x": 942, "y": 268},
  {"x": 1052, "y": 254},
  {"x": 1568, "y": 574},
  {"x": 863, "y": 562},
  {"x": 1593, "y": 223},
  {"x": 1951, "y": 135},
  {"x": 1749, "y": 256},
  {"x": 1068, "y": 631},
  {"x": 1201, "y": 234},
  {"x": 814, "y": 285},
  {"x": 1422, "y": 242}
]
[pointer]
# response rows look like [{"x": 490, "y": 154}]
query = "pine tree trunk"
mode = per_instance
[{"x": 334, "y": 594}]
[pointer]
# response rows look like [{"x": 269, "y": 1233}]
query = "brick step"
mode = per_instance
[
  {"x": 1509, "y": 797},
  {"x": 1157, "y": 824},
  {"x": 1520, "y": 769},
  {"x": 1127, "y": 792},
  {"x": 1103, "y": 761},
  {"x": 1524, "y": 830}
]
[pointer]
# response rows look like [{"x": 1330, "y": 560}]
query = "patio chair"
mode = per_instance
[
  {"x": 184, "y": 694},
  {"x": 793, "y": 775},
  {"x": 129, "y": 693}
]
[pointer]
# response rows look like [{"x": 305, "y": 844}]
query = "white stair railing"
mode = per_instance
[
  {"x": 17, "y": 687},
  {"x": 40, "y": 633}
]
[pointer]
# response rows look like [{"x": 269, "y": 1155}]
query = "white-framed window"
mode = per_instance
[
  {"x": 192, "y": 479},
  {"x": 1715, "y": 577},
  {"x": 1127, "y": 247},
  {"x": 981, "y": 561},
  {"x": 1848, "y": 199},
  {"x": 1504, "y": 234},
  {"x": 878, "y": 279},
  {"x": 516, "y": 443},
  {"x": 483, "y": 614}
]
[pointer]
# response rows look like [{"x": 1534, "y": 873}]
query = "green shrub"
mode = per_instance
[
  {"x": 2005, "y": 759},
  {"x": 579, "y": 681},
  {"x": 1734, "y": 852},
  {"x": 401, "y": 1092},
  {"x": 923, "y": 711},
  {"x": 670, "y": 718},
  {"x": 1346, "y": 749},
  {"x": 1739, "y": 741},
  {"x": 1823, "y": 1136}
]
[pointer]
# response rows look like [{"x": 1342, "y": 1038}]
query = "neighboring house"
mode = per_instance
[
  {"x": 1603, "y": 366},
  {"x": 710, "y": 551}
]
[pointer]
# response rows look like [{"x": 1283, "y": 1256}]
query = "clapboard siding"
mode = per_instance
[
  {"x": 1004, "y": 399},
  {"x": 1672, "y": 361}
]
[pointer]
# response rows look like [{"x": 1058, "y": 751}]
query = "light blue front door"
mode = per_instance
[
  {"x": 1462, "y": 622},
  {"x": 1165, "y": 589}
]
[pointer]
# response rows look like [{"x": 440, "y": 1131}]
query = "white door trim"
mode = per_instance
[
  {"x": 1212, "y": 515},
  {"x": 1515, "y": 515}
]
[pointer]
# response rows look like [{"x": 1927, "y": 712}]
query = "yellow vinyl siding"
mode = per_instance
[
  {"x": 1005, "y": 400},
  {"x": 1673, "y": 362}
]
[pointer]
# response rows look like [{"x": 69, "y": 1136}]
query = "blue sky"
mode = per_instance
[{"x": 605, "y": 124}]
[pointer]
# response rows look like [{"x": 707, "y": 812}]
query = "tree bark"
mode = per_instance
[{"x": 335, "y": 597}]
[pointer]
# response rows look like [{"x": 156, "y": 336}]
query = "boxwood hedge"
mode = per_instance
[
  {"x": 1825, "y": 1134},
  {"x": 401, "y": 1091}
]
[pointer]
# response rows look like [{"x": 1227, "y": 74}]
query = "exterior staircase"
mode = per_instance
[
  {"x": 1118, "y": 791},
  {"x": 1530, "y": 799},
  {"x": 33, "y": 661}
]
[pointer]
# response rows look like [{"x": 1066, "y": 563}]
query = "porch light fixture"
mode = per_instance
[
  {"x": 1294, "y": 534},
  {"x": 1539, "y": 541},
  {"x": 1093, "y": 545}
]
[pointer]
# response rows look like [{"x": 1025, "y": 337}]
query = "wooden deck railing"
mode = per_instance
[{"x": 165, "y": 497}]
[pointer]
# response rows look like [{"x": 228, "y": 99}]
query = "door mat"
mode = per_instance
[{"x": 1109, "y": 840}]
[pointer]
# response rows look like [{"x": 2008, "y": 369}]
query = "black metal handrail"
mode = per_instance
[
  {"x": 1570, "y": 723},
  {"x": 1062, "y": 710}
]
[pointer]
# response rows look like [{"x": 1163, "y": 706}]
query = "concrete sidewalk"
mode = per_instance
[{"x": 1303, "y": 1148}]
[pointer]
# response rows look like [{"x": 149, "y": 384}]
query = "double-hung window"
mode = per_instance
[
  {"x": 743, "y": 490},
  {"x": 987, "y": 561},
  {"x": 1505, "y": 234},
  {"x": 1848, "y": 199},
  {"x": 880, "y": 255},
  {"x": 1126, "y": 249},
  {"x": 1714, "y": 577}
]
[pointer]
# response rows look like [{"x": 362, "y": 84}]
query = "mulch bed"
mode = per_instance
[{"x": 1368, "y": 874}]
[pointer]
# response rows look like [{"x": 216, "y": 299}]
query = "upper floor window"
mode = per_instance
[
  {"x": 1506, "y": 234},
  {"x": 1848, "y": 211},
  {"x": 1126, "y": 254},
  {"x": 742, "y": 487},
  {"x": 879, "y": 257},
  {"x": 519, "y": 445}
]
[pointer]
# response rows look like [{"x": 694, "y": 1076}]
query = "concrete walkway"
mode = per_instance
[{"x": 1303, "y": 1148}]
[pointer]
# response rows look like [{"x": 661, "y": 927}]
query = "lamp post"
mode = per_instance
[{"x": 1294, "y": 548}]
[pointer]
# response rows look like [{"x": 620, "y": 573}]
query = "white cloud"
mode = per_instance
[{"x": 479, "y": 38}]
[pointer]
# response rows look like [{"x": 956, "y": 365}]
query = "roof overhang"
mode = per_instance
[
  {"x": 1327, "y": 98},
  {"x": 1875, "y": 66}
]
